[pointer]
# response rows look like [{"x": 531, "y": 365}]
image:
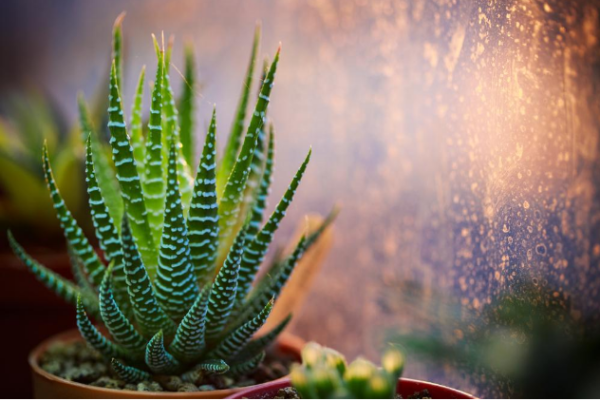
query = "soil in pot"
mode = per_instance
[{"x": 77, "y": 362}]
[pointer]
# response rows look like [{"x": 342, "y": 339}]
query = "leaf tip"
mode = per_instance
[{"x": 119, "y": 20}]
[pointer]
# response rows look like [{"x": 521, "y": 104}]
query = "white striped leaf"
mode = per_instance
[
  {"x": 203, "y": 217},
  {"x": 73, "y": 233},
  {"x": 175, "y": 282},
  {"x": 233, "y": 193},
  {"x": 129, "y": 180}
]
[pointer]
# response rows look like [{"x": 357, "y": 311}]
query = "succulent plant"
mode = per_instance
[
  {"x": 177, "y": 293},
  {"x": 325, "y": 374}
]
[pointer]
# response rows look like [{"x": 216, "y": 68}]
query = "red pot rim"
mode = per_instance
[
  {"x": 409, "y": 385},
  {"x": 286, "y": 343}
]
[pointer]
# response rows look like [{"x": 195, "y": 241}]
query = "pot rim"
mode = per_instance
[
  {"x": 289, "y": 343},
  {"x": 286, "y": 382}
]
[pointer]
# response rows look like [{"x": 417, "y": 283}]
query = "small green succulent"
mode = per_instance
[
  {"x": 324, "y": 374},
  {"x": 177, "y": 294}
]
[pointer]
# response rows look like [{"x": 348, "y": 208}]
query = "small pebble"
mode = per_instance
[
  {"x": 187, "y": 388},
  {"x": 207, "y": 387},
  {"x": 171, "y": 383}
]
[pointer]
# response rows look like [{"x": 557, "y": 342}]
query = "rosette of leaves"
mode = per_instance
[
  {"x": 325, "y": 374},
  {"x": 176, "y": 287}
]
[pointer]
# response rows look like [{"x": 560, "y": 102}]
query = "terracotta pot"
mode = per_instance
[
  {"x": 405, "y": 388},
  {"x": 46, "y": 385}
]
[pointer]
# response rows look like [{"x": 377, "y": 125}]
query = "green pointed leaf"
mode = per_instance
[
  {"x": 146, "y": 309},
  {"x": 73, "y": 233},
  {"x": 211, "y": 367},
  {"x": 171, "y": 133},
  {"x": 203, "y": 217},
  {"x": 187, "y": 106},
  {"x": 117, "y": 48},
  {"x": 93, "y": 337},
  {"x": 237, "y": 340},
  {"x": 253, "y": 182},
  {"x": 153, "y": 182},
  {"x": 137, "y": 135},
  {"x": 158, "y": 359},
  {"x": 55, "y": 283},
  {"x": 248, "y": 366},
  {"x": 115, "y": 321},
  {"x": 260, "y": 201},
  {"x": 105, "y": 174},
  {"x": 214, "y": 366},
  {"x": 175, "y": 282},
  {"x": 257, "y": 249},
  {"x": 257, "y": 171},
  {"x": 233, "y": 193},
  {"x": 222, "y": 296},
  {"x": 277, "y": 280},
  {"x": 106, "y": 231},
  {"x": 129, "y": 374},
  {"x": 261, "y": 343},
  {"x": 189, "y": 341},
  {"x": 127, "y": 175},
  {"x": 235, "y": 137}
]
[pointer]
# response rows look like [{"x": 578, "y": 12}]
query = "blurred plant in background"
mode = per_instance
[
  {"x": 531, "y": 342},
  {"x": 27, "y": 120}
]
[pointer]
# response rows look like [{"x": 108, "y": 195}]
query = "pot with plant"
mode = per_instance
[
  {"x": 175, "y": 290},
  {"x": 27, "y": 118},
  {"x": 325, "y": 374}
]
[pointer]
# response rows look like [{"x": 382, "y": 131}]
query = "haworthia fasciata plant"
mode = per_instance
[{"x": 178, "y": 295}]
